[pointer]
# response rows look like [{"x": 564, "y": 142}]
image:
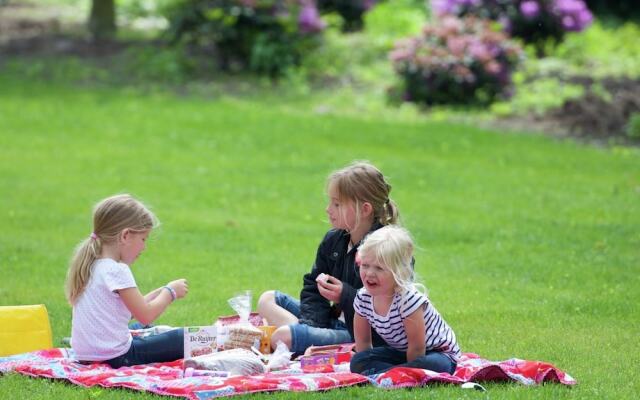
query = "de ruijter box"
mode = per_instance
[{"x": 199, "y": 340}]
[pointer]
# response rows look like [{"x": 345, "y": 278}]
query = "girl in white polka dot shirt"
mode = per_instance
[{"x": 104, "y": 294}]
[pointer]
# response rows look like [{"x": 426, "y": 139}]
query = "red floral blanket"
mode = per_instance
[{"x": 167, "y": 378}]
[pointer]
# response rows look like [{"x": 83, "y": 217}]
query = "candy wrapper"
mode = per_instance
[{"x": 327, "y": 355}]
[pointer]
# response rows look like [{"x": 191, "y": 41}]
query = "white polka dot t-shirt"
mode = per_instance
[
  {"x": 100, "y": 325},
  {"x": 438, "y": 335}
]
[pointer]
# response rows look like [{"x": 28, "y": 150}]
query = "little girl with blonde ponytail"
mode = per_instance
[{"x": 104, "y": 295}]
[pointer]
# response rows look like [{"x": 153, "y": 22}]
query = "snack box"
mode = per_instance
[
  {"x": 327, "y": 355},
  {"x": 199, "y": 340}
]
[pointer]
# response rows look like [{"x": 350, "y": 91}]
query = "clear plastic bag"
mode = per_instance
[
  {"x": 280, "y": 357},
  {"x": 242, "y": 334},
  {"x": 236, "y": 362},
  {"x": 241, "y": 304}
]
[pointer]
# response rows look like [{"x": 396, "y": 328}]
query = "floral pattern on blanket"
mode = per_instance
[{"x": 167, "y": 378}]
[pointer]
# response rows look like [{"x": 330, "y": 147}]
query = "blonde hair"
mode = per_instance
[
  {"x": 392, "y": 247},
  {"x": 361, "y": 182},
  {"x": 110, "y": 217}
]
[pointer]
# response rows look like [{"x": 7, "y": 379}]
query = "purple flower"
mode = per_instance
[
  {"x": 505, "y": 22},
  {"x": 530, "y": 9},
  {"x": 309, "y": 19},
  {"x": 569, "y": 23},
  {"x": 585, "y": 18},
  {"x": 456, "y": 45},
  {"x": 493, "y": 67},
  {"x": 569, "y": 6},
  {"x": 573, "y": 14},
  {"x": 442, "y": 7},
  {"x": 479, "y": 51},
  {"x": 368, "y": 4}
]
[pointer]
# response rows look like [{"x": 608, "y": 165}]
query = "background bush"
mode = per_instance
[
  {"x": 265, "y": 36},
  {"x": 455, "y": 61},
  {"x": 351, "y": 11},
  {"x": 620, "y": 9},
  {"x": 534, "y": 21},
  {"x": 600, "y": 52}
]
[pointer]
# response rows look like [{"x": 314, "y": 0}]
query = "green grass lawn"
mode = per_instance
[{"x": 530, "y": 247}]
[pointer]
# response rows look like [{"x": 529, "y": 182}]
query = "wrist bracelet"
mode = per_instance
[{"x": 171, "y": 291}]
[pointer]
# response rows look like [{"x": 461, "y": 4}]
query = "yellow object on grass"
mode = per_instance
[{"x": 24, "y": 329}]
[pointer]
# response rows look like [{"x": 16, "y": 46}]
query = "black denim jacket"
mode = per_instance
[{"x": 333, "y": 259}]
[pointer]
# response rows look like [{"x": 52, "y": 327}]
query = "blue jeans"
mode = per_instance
[
  {"x": 303, "y": 335},
  {"x": 381, "y": 359},
  {"x": 167, "y": 346}
]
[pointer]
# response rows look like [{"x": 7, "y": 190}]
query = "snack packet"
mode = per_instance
[
  {"x": 242, "y": 334},
  {"x": 236, "y": 362}
]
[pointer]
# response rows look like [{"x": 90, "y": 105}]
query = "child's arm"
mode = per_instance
[
  {"x": 153, "y": 294},
  {"x": 147, "y": 311},
  {"x": 361, "y": 333},
  {"x": 414, "y": 326}
]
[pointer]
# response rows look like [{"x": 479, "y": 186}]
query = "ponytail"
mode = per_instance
[
  {"x": 80, "y": 268},
  {"x": 391, "y": 214}
]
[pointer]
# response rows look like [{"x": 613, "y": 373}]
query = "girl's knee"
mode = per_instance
[
  {"x": 359, "y": 362},
  {"x": 266, "y": 301},
  {"x": 282, "y": 334},
  {"x": 437, "y": 362}
]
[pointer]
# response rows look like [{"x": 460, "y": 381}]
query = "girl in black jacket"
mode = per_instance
[{"x": 358, "y": 204}]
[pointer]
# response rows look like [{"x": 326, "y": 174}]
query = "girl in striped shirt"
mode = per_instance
[{"x": 393, "y": 305}]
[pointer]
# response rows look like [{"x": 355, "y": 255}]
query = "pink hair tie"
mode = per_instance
[{"x": 94, "y": 236}]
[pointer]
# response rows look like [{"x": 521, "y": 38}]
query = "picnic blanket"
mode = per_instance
[{"x": 168, "y": 378}]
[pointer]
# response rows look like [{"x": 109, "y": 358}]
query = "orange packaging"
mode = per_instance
[{"x": 265, "y": 341}]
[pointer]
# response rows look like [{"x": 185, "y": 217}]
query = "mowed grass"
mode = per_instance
[{"x": 530, "y": 247}]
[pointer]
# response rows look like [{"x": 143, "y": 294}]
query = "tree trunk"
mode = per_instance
[{"x": 102, "y": 20}]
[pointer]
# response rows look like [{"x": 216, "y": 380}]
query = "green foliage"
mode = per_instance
[
  {"x": 633, "y": 127},
  {"x": 536, "y": 95},
  {"x": 160, "y": 64},
  {"x": 351, "y": 12},
  {"x": 140, "y": 8},
  {"x": 542, "y": 84},
  {"x": 138, "y": 64},
  {"x": 266, "y": 36},
  {"x": 361, "y": 58},
  {"x": 603, "y": 51},
  {"x": 623, "y": 10},
  {"x": 391, "y": 20}
]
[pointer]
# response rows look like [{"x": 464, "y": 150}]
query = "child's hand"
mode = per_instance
[
  {"x": 330, "y": 288},
  {"x": 180, "y": 286}
]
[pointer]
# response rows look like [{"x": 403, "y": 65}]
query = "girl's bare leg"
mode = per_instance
[{"x": 273, "y": 313}]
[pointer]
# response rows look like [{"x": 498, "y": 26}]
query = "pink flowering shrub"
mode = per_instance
[
  {"x": 534, "y": 21},
  {"x": 266, "y": 36},
  {"x": 455, "y": 61}
]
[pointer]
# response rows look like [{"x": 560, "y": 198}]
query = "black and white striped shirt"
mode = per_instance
[{"x": 438, "y": 335}]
